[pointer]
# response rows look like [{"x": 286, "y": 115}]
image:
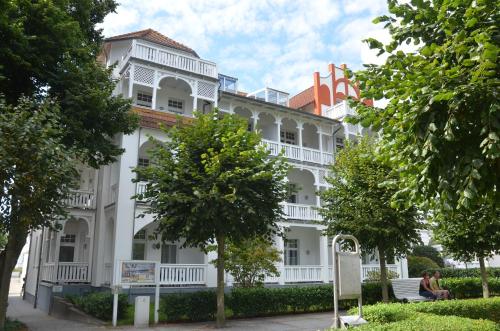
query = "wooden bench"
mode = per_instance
[{"x": 407, "y": 289}]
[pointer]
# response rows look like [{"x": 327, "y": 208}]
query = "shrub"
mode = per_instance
[
  {"x": 374, "y": 276},
  {"x": 460, "y": 273},
  {"x": 418, "y": 264},
  {"x": 14, "y": 325},
  {"x": 430, "y": 252},
  {"x": 100, "y": 304},
  {"x": 470, "y": 287},
  {"x": 196, "y": 306}
]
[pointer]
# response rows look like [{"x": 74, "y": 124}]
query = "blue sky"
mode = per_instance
[{"x": 273, "y": 43}]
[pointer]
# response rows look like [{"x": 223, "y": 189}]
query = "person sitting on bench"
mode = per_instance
[
  {"x": 440, "y": 292},
  {"x": 425, "y": 289}
]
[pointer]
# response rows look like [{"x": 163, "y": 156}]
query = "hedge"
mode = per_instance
[
  {"x": 470, "y": 287},
  {"x": 100, "y": 304},
  {"x": 195, "y": 306},
  {"x": 473, "y": 314},
  {"x": 461, "y": 273}
]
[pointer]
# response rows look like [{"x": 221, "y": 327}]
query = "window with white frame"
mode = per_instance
[
  {"x": 67, "y": 248},
  {"x": 292, "y": 193},
  {"x": 339, "y": 143},
  {"x": 169, "y": 253},
  {"x": 176, "y": 106},
  {"x": 139, "y": 246},
  {"x": 143, "y": 162},
  {"x": 144, "y": 99},
  {"x": 288, "y": 137},
  {"x": 291, "y": 252}
]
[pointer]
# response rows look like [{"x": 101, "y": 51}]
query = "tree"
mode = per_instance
[
  {"x": 467, "y": 235},
  {"x": 358, "y": 203},
  {"x": 48, "y": 54},
  {"x": 36, "y": 173},
  {"x": 418, "y": 264},
  {"x": 251, "y": 260},
  {"x": 441, "y": 125},
  {"x": 213, "y": 181},
  {"x": 429, "y": 252}
]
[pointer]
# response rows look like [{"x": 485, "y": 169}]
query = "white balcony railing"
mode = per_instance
[
  {"x": 183, "y": 274},
  {"x": 81, "y": 199},
  {"x": 339, "y": 110},
  {"x": 301, "y": 212},
  {"x": 170, "y": 59},
  {"x": 306, "y": 273},
  {"x": 141, "y": 187},
  {"x": 298, "y": 153},
  {"x": 67, "y": 272}
]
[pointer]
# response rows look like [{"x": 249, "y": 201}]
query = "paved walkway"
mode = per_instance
[{"x": 37, "y": 320}]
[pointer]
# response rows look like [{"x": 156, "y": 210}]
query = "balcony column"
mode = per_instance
[
  {"x": 211, "y": 275},
  {"x": 278, "y": 138},
  {"x": 231, "y": 108},
  {"x": 320, "y": 134},
  {"x": 194, "y": 95},
  {"x": 300, "y": 127},
  {"x": 280, "y": 244},
  {"x": 131, "y": 81},
  {"x": 323, "y": 257},
  {"x": 255, "y": 117},
  {"x": 155, "y": 87},
  {"x": 91, "y": 248},
  {"x": 56, "y": 255}
]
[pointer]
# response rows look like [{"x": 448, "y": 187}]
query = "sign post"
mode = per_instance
[{"x": 346, "y": 280}]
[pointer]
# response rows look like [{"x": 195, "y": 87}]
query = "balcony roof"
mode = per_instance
[{"x": 155, "y": 37}]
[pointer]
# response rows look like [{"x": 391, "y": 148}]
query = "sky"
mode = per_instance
[{"x": 273, "y": 43}]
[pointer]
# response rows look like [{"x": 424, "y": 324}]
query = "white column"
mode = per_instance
[
  {"x": 56, "y": 255},
  {"x": 125, "y": 206},
  {"x": 195, "y": 97},
  {"x": 323, "y": 256},
  {"x": 131, "y": 80},
  {"x": 278, "y": 124},
  {"x": 231, "y": 108},
  {"x": 300, "y": 127},
  {"x": 155, "y": 87},
  {"x": 320, "y": 134},
  {"x": 211, "y": 276},
  {"x": 91, "y": 248},
  {"x": 255, "y": 117},
  {"x": 280, "y": 244}
]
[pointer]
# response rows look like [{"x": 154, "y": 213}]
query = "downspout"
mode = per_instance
[{"x": 39, "y": 267}]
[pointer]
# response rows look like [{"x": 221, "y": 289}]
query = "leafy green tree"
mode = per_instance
[
  {"x": 429, "y": 252},
  {"x": 358, "y": 203},
  {"x": 213, "y": 181},
  {"x": 441, "y": 124},
  {"x": 36, "y": 172},
  {"x": 468, "y": 235},
  {"x": 251, "y": 260},
  {"x": 418, "y": 264}
]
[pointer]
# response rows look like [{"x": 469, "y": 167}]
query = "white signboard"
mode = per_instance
[{"x": 138, "y": 272}]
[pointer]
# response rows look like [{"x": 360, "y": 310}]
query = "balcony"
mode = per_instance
[
  {"x": 339, "y": 111},
  {"x": 270, "y": 95},
  {"x": 298, "y": 153},
  {"x": 301, "y": 212},
  {"x": 81, "y": 199},
  {"x": 167, "y": 58},
  {"x": 183, "y": 274},
  {"x": 67, "y": 272}
]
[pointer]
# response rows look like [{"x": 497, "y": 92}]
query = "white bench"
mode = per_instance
[{"x": 407, "y": 289}]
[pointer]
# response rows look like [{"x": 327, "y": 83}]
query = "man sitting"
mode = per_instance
[{"x": 438, "y": 291}]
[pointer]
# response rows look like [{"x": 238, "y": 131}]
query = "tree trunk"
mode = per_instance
[
  {"x": 8, "y": 259},
  {"x": 484, "y": 278},
  {"x": 221, "y": 317},
  {"x": 383, "y": 275}
]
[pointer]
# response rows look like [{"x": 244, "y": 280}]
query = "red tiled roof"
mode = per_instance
[
  {"x": 302, "y": 99},
  {"x": 155, "y": 37}
]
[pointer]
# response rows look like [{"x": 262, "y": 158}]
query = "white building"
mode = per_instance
[{"x": 165, "y": 78}]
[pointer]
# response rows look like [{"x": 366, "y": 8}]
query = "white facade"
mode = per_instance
[{"x": 103, "y": 227}]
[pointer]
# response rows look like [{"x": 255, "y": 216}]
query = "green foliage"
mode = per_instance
[
  {"x": 196, "y": 306},
  {"x": 470, "y": 287},
  {"x": 49, "y": 49},
  {"x": 359, "y": 203},
  {"x": 441, "y": 125},
  {"x": 459, "y": 315},
  {"x": 418, "y": 264},
  {"x": 374, "y": 276},
  {"x": 14, "y": 325},
  {"x": 250, "y": 261},
  {"x": 461, "y": 273},
  {"x": 100, "y": 304},
  {"x": 430, "y": 252}
]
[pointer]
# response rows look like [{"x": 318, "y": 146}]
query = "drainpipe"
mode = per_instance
[{"x": 38, "y": 271}]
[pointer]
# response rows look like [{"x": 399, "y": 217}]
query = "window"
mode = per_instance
[
  {"x": 176, "y": 106},
  {"x": 144, "y": 99},
  {"x": 66, "y": 253},
  {"x": 339, "y": 143},
  {"x": 292, "y": 252},
  {"x": 68, "y": 238},
  {"x": 168, "y": 253},
  {"x": 143, "y": 162},
  {"x": 292, "y": 193},
  {"x": 287, "y": 137},
  {"x": 139, "y": 246},
  {"x": 249, "y": 128}
]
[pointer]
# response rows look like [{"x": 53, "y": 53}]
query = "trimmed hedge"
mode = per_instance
[
  {"x": 473, "y": 314},
  {"x": 195, "y": 306},
  {"x": 462, "y": 273},
  {"x": 470, "y": 287},
  {"x": 100, "y": 304}
]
